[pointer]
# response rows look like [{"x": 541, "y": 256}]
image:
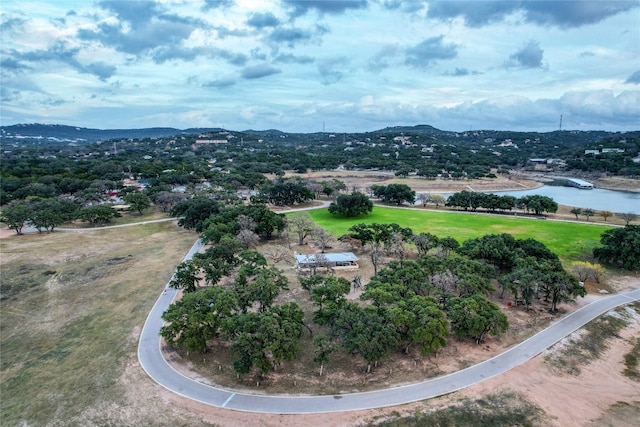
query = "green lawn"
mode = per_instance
[{"x": 570, "y": 241}]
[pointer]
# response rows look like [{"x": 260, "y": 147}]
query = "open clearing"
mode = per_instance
[{"x": 73, "y": 305}]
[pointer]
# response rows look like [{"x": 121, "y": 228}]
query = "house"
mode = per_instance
[{"x": 333, "y": 260}]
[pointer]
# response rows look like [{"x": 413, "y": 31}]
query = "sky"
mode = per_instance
[{"x": 314, "y": 65}]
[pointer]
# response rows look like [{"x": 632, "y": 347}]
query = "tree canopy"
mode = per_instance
[
  {"x": 351, "y": 205},
  {"x": 621, "y": 247}
]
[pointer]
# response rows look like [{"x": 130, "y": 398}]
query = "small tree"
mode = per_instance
[
  {"x": 323, "y": 238},
  {"x": 605, "y": 214},
  {"x": 585, "y": 270},
  {"x": 576, "y": 212},
  {"x": 16, "y": 214},
  {"x": 301, "y": 224},
  {"x": 324, "y": 349},
  {"x": 628, "y": 217},
  {"x": 588, "y": 213},
  {"x": 138, "y": 201}
]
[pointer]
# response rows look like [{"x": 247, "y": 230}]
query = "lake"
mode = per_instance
[{"x": 598, "y": 199}]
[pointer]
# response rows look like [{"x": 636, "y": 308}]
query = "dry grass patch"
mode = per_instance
[{"x": 72, "y": 308}]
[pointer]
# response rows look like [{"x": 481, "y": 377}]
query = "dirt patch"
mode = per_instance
[{"x": 363, "y": 180}]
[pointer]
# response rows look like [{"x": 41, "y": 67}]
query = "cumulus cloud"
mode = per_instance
[
  {"x": 301, "y": 7},
  {"x": 530, "y": 56},
  {"x": 633, "y": 78},
  {"x": 563, "y": 14},
  {"x": 141, "y": 28},
  {"x": 429, "y": 51},
  {"x": 262, "y": 20},
  {"x": 259, "y": 71}
]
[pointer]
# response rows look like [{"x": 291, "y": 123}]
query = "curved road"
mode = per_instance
[{"x": 152, "y": 361}]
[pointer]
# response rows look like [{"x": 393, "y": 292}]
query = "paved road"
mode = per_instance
[{"x": 152, "y": 361}]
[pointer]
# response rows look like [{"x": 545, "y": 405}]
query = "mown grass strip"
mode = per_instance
[{"x": 570, "y": 241}]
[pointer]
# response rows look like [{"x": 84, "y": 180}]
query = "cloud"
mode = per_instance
[
  {"x": 563, "y": 14},
  {"x": 461, "y": 72},
  {"x": 530, "y": 56},
  {"x": 290, "y": 36},
  {"x": 633, "y": 78},
  {"x": 475, "y": 13},
  {"x": 220, "y": 83},
  {"x": 60, "y": 52},
  {"x": 293, "y": 59},
  {"x": 12, "y": 66},
  {"x": 262, "y": 20},
  {"x": 259, "y": 71},
  {"x": 12, "y": 24},
  {"x": 332, "y": 69},
  {"x": 141, "y": 28},
  {"x": 301, "y": 7},
  {"x": 576, "y": 13},
  {"x": 217, "y": 4},
  {"x": 429, "y": 51},
  {"x": 380, "y": 60},
  {"x": 406, "y": 6},
  {"x": 100, "y": 69}
]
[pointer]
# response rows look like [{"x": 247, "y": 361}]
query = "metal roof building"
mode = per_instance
[
  {"x": 340, "y": 259},
  {"x": 578, "y": 183}
]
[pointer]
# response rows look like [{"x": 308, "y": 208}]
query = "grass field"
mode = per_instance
[
  {"x": 570, "y": 241},
  {"x": 71, "y": 310}
]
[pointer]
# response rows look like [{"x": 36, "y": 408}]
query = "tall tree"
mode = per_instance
[
  {"x": 301, "y": 224},
  {"x": 395, "y": 193},
  {"x": 323, "y": 350},
  {"x": 197, "y": 317},
  {"x": 476, "y": 316},
  {"x": 351, "y": 205},
  {"x": 621, "y": 247},
  {"x": 98, "y": 214},
  {"x": 261, "y": 341},
  {"x": 420, "y": 321},
  {"x": 16, "y": 214},
  {"x": 138, "y": 201},
  {"x": 50, "y": 213},
  {"x": 187, "y": 276}
]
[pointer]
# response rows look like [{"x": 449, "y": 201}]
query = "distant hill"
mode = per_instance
[
  {"x": 51, "y": 134},
  {"x": 58, "y": 133}
]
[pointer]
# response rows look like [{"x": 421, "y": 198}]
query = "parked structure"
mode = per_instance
[
  {"x": 327, "y": 260},
  {"x": 578, "y": 183}
]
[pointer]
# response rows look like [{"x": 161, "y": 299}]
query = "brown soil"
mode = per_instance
[{"x": 363, "y": 180}]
